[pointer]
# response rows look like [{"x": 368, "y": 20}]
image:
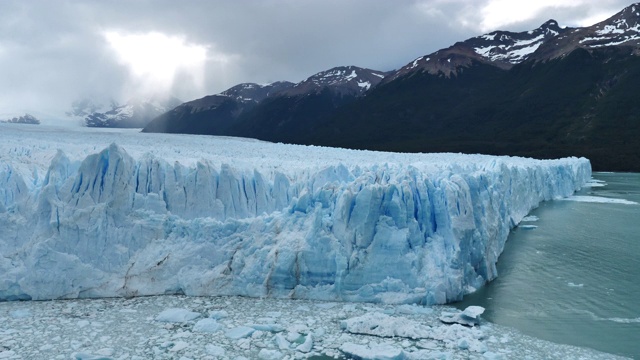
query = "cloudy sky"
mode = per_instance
[{"x": 55, "y": 52}]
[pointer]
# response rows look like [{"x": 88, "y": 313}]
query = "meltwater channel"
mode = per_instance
[{"x": 573, "y": 275}]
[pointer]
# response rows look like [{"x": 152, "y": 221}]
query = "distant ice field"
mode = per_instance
[
  {"x": 35, "y": 146},
  {"x": 92, "y": 213}
]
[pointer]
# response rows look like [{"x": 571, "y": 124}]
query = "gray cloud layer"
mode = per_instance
[{"x": 53, "y": 52}]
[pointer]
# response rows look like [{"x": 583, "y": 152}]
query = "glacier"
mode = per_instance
[{"x": 88, "y": 213}]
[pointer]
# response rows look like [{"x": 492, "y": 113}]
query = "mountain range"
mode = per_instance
[
  {"x": 135, "y": 113},
  {"x": 549, "y": 92},
  {"x": 24, "y": 119}
]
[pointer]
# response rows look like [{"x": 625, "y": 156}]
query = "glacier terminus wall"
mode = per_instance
[{"x": 95, "y": 213}]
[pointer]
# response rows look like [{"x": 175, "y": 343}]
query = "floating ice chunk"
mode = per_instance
[
  {"x": 473, "y": 312},
  {"x": 179, "y": 346},
  {"x": 240, "y": 332},
  {"x": 490, "y": 355},
  {"x": 625, "y": 320},
  {"x": 177, "y": 315},
  {"x": 598, "y": 199},
  {"x": 307, "y": 345},
  {"x": 469, "y": 317},
  {"x": 530, "y": 218},
  {"x": 267, "y": 354},
  {"x": 574, "y": 285},
  {"x": 380, "y": 324},
  {"x": 463, "y": 344},
  {"x": 428, "y": 355},
  {"x": 267, "y": 327},
  {"x": 595, "y": 183},
  {"x": 326, "y": 306},
  {"x": 105, "y": 352},
  {"x": 20, "y": 313},
  {"x": 373, "y": 351},
  {"x": 452, "y": 335},
  {"x": 282, "y": 343},
  {"x": 427, "y": 344},
  {"x": 218, "y": 314},
  {"x": 215, "y": 350},
  {"x": 8, "y": 354},
  {"x": 85, "y": 356},
  {"x": 528, "y": 227},
  {"x": 413, "y": 309},
  {"x": 207, "y": 325}
]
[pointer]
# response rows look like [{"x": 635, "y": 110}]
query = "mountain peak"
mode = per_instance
[
  {"x": 620, "y": 30},
  {"x": 632, "y": 10},
  {"x": 343, "y": 79},
  {"x": 550, "y": 24},
  {"x": 500, "y": 48},
  {"x": 254, "y": 93},
  {"x": 505, "y": 49}
]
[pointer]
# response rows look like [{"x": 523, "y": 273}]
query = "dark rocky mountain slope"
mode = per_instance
[{"x": 269, "y": 111}]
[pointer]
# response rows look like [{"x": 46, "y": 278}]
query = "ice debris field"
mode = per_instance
[
  {"x": 240, "y": 328},
  {"x": 115, "y": 213}
]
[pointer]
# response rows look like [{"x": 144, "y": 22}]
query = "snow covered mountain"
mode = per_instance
[
  {"x": 343, "y": 80},
  {"x": 84, "y": 107},
  {"x": 499, "y": 48},
  {"x": 504, "y": 49},
  {"x": 250, "y": 92},
  {"x": 24, "y": 119},
  {"x": 214, "y": 114},
  {"x": 622, "y": 30},
  {"x": 167, "y": 214},
  {"x": 136, "y": 113},
  {"x": 234, "y": 110}
]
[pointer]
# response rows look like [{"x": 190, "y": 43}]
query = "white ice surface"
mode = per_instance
[
  {"x": 126, "y": 329},
  {"x": 101, "y": 213}
]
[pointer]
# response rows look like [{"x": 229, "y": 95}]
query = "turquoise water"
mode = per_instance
[{"x": 575, "y": 278}]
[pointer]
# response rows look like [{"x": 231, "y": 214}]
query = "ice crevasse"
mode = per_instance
[{"x": 428, "y": 230}]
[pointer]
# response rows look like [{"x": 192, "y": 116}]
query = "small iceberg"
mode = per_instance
[
  {"x": 469, "y": 317},
  {"x": 176, "y": 315},
  {"x": 528, "y": 227},
  {"x": 598, "y": 199}
]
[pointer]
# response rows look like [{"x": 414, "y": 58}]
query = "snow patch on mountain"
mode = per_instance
[{"x": 514, "y": 53}]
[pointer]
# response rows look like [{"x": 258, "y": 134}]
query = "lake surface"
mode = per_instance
[{"x": 573, "y": 275}]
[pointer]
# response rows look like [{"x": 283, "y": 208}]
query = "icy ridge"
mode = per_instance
[{"x": 115, "y": 225}]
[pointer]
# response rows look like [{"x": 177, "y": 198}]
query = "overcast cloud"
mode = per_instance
[{"x": 55, "y": 52}]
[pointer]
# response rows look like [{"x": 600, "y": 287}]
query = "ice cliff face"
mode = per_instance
[{"x": 349, "y": 225}]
